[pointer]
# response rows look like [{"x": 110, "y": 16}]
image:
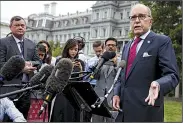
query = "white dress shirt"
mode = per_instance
[
  {"x": 82, "y": 57},
  {"x": 91, "y": 62},
  {"x": 8, "y": 107},
  {"x": 18, "y": 44},
  {"x": 142, "y": 40}
]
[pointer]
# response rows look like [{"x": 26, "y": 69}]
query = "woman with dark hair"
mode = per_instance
[
  {"x": 41, "y": 50},
  {"x": 71, "y": 50},
  {"x": 49, "y": 59},
  {"x": 63, "y": 111}
]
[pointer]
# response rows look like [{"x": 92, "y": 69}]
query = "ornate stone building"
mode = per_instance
[
  {"x": 106, "y": 19},
  {"x": 4, "y": 29}
]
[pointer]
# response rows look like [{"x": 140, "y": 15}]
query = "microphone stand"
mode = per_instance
[
  {"x": 13, "y": 85},
  {"x": 100, "y": 100},
  {"x": 25, "y": 86},
  {"x": 19, "y": 91}
]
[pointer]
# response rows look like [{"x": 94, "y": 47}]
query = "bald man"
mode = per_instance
[{"x": 151, "y": 71}]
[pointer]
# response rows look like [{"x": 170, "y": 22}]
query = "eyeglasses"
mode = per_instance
[
  {"x": 113, "y": 45},
  {"x": 140, "y": 17}
]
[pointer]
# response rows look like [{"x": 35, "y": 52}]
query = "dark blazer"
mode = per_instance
[
  {"x": 105, "y": 80},
  {"x": 9, "y": 48},
  {"x": 160, "y": 66}
]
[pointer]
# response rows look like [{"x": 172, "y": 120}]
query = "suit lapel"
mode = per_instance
[
  {"x": 25, "y": 48},
  {"x": 126, "y": 52},
  {"x": 147, "y": 41},
  {"x": 110, "y": 70},
  {"x": 105, "y": 70},
  {"x": 14, "y": 45}
]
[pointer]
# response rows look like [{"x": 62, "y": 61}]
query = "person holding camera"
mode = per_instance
[
  {"x": 81, "y": 45},
  {"x": 17, "y": 44},
  {"x": 62, "y": 110}
]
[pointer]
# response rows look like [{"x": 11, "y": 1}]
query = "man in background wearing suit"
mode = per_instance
[
  {"x": 151, "y": 71},
  {"x": 17, "y": 44},
  {"x": 105, "y": 78}
]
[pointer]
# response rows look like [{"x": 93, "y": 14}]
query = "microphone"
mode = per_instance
[
  {"x": 105, "y": 57},
  {"x": 57, "y": 81},
  {"x": 12, "y": 68},
  {"x": 122, "y": 64},
  {"x": 41, "y": 76},
  {"x": 99, "y": 101}
]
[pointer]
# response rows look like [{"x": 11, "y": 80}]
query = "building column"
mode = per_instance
[
  {"x": 54, "y": 38},
  {"x": 109, "y": 31},
  {"x": 63, "y": 37},
  {"x": 86, "y": 38},
  {"x": 123, "y": 32},
  {"x": 81, "y": 34},
  {"x": 72, "y": 36},
  {"x": 124, "y": 13},
  {"x": 42, "y": 36},
  {"x": 110, "y": 13},
  {"x": 98, "y": 35},
  {"x": 58, "y": 37}
]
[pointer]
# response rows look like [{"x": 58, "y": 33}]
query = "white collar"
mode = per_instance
[
  {"x": 144, "y": 35},
  {"x": 17, "y": 40}
]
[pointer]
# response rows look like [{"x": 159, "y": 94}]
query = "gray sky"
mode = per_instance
[{"x": 25, "y": 8}]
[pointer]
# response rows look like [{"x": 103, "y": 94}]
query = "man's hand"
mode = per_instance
[
  {"x": 115, "y": 60},
  {"x": 28, "y": 68},
  {"x": 153, "y": 93},
  {"x": 116, "y": 101}
]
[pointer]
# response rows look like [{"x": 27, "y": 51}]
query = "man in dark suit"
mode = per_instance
[
  {"x": 151, "y": 71},
  {"x": 105, "y": 78},
  {"x": 16, "y": 44}
]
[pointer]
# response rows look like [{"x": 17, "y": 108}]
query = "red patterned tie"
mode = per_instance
[{"x": 132, "y": 54}]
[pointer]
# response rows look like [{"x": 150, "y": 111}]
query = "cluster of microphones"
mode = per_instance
[{"x": 53, "y": 78}]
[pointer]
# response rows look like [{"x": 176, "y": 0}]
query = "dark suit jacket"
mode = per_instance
[
  {"x": 105, "y": 80},
  {"x": 9, "y": 48},
  {"x": 161, "y": 66}
]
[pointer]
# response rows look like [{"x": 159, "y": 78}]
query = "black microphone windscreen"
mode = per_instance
[
  {"x": 12, "y": 67},
  {"x": 60, "y": 75},
  {"x": 42, "y": 76},
  {"x": 108, "y": 55}
]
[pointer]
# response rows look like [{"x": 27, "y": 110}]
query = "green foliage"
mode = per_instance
[
  {"x": 173, "y": 111},
  {"x": 56, "y": 48},
  {"x": 167, "y": 20},
  {"x": 51, "y": 44},
  {"x": 130, "y": 34}
]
